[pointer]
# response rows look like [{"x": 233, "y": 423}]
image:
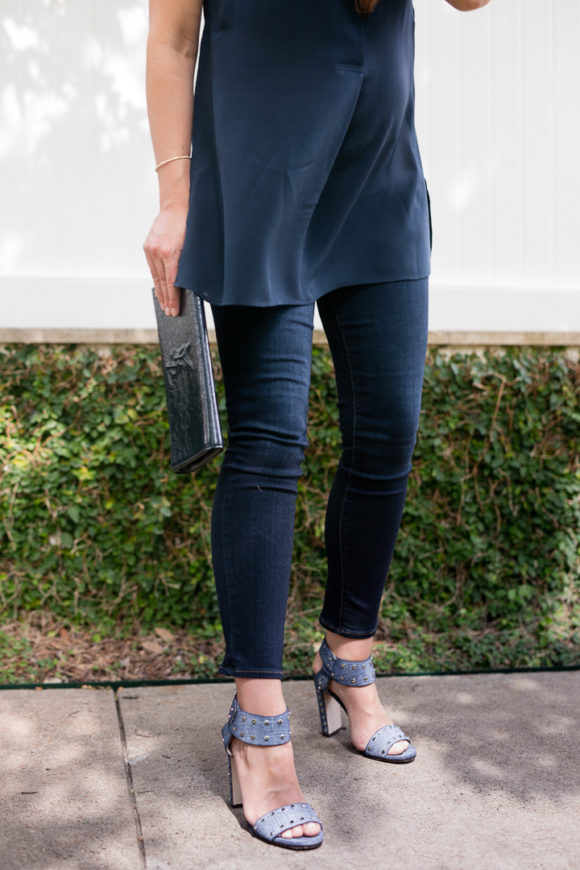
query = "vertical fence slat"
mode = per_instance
[{"x": 497, "y": 117}]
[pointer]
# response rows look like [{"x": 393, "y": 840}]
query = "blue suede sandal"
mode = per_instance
[
  {"x": 267, "y": 731},
  {"x": 329, "y": 705}
]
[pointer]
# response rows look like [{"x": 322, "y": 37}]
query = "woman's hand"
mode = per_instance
[
  {"x": 162, "y": 248},
  {"x": 467, "y": 5}
]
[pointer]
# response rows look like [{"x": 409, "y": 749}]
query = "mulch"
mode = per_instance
[{"x": 42, "y": 649}]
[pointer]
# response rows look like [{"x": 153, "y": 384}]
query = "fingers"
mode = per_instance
[
  {"x": 162, "y": 249},
  {"x": 163, "y": 264},
  {"x": 174, "y": 298},
  {"x": 157, "y": 281},
  {"x": 170, "y": 296}
]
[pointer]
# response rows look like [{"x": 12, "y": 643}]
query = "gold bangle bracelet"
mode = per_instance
[{"x": 169, "y": 160}]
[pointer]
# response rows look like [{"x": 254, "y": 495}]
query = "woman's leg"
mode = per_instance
[
  {"x": 266, "y": 360},
  {"x": 377, "y": 334}
]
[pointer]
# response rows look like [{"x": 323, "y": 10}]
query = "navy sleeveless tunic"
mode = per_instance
[{"x": 305, "y": 170}]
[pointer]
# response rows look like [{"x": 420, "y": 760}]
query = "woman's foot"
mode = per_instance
[
  {"x": 366, "y": 714},
  {"x": 266, "y": 773},
  {"x": 268, "y": 780}
]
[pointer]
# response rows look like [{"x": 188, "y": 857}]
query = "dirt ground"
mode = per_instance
[{"x": 40, "y": 649}]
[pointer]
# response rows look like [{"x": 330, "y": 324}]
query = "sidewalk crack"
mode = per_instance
[{"x": 130, "y": 785}]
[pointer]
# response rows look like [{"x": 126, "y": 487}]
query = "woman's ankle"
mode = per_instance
[
  {"x": 348, "y": 648},
  {"x": 261, "y": 697}
]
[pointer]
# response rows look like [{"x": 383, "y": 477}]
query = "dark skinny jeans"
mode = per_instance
[{"x": 377, "y": 334}]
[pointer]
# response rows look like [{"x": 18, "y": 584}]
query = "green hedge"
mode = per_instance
[{"x": 97, "y": 529}]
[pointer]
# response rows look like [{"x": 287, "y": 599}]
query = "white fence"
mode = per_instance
[{"x": 497, "y": 114}]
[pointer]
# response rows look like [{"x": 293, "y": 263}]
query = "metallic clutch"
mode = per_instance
[{"x": 194, "y": 424}]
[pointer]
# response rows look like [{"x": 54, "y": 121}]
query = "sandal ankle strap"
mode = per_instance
[
  {"x": 256, "y": 730},
  {"x": 343, "y": 671}
]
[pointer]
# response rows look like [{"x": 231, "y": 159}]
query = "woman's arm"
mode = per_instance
[
  {"x": 172, "y": 46},
  {"x": 467, "y": 5}
]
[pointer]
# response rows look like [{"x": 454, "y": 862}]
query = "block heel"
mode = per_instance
[
  {"x": 235, "y": 790},
  {"x": 330, "y": 712}
]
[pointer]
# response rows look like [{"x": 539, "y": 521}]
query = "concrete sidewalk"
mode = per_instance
[{"x": 92, "y": 780}]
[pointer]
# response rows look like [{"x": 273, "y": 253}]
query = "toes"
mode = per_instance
[
  {"x": 310, "y": 829},
  {"x": 398, "y": 748},
  {"x": 293, "y": 832}
]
